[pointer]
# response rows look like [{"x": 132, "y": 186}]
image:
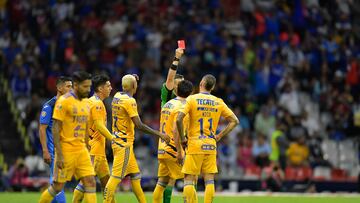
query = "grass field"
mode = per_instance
[{"x": 130, "y": 198}]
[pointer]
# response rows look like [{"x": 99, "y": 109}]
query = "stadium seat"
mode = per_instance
[
  {"x": 338, "y": 175},
  {"x": 322, "y": 173},
  {"x": 252, "y": 173},
  {"x": 298, "y": 174}
]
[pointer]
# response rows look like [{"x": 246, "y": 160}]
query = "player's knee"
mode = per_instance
[
  {"x": 209, "y": 177},
  {"x": 56, "y": 187},
  {"x": 163, "y": 182},
  {"x": 89, "y": 181},
  {"x": 171, "y": 182},
  {"x": 189, "y": 177},
  {"x": 135, "y": 176}
]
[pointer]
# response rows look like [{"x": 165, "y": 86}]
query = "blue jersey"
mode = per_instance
[{"x": 46, "y": 119}]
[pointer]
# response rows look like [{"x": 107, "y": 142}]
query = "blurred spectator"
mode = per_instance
[
  {"x": 21, "y": 84},
  {"x": 290, "y": 100},
  {"x": 227, "y": 157},
  {"x": 297, "y": 130},
  {"x": 35, "y": 164},
  {"x": 264, "y": 122},
  {"x": 316, "y": 157},
  {"x": 245, "y": 158},
  {"x": 273, "y": 178},
  {"x": 261, "y": 151},
  {"x": 298, "y": 153},
  {"x": 18, "y": 175},
  {"x": 279, "y": 145}
]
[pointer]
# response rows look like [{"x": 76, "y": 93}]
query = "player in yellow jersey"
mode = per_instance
[
  {"x": 171, "y": 155},
  {"x": 97, "y": 133},
  {"x": 204, "y": 111},
  {"x": 125, "y": 119},
  {"x": 72, "y": 157}
]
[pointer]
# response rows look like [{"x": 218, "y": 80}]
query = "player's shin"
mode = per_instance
[
  {"x": 158, "y": 192},
  {"x": 209, "y": 191},
  {"x": 136, "y": 187},
  {"x": 189, "y": 192},
  {"x": 60, "y": 197},
  {"x": 110, "y": 188},
  {"x": 48, "y": 195},
  {"x": 168, "y": 191},
  {"x": 78, "y": 193}
]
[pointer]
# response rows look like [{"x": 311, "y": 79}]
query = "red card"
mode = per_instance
[{"x": 181, "y": 44}]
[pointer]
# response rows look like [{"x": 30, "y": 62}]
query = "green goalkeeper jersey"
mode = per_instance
[{"x": 166, "y": 95}]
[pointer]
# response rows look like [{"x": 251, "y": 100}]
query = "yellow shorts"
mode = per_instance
[
  {"x": 76, "y": 164},
  {"x": 124, "y": 162},
  {"x": 195, "y": 164},
  {"x": 170, "y": 167},
  {"x": 101, "y": 166}
]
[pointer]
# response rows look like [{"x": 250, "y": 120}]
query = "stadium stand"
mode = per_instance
[{"x": 294, "y": 62}]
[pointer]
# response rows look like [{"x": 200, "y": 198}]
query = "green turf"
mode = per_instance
[{"x": 130, "y": 198}]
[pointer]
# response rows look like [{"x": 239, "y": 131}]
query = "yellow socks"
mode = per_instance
[
  {"x": 209, "y": 191},
  {"x": 48, "y": 195},
  {"x": 78, "y": 194},
  {"x": 110, "y": 188},
  {"x": 90, "y": 195},
  {"x": 158, "y": 192},
  {"x": 189, "y": 192},
  {"x": 136, "y": 187}
]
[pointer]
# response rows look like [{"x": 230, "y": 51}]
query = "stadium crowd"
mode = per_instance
[{"x": 288, "y": 67}]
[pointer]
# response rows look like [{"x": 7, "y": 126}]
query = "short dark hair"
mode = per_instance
[
  {"x": 80, "y": 76},
  {"x": 62, "y": 79},
  {"x": 179, "y": 76},
  {"x": 210, "y": 81},
  {"x": 99, "y": 80},
  {"x": 184, "y": 88}
]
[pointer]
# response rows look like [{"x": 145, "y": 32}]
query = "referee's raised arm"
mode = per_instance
[{"x": 173, "y": 69}]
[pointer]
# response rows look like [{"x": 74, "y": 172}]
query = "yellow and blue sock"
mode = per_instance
[
  {"x": 90, "y": 194},
  {"x": 159, "y": 192},
  {"x": 110, "y": 188},
  {"x": 189, "y": 192},
  {"x": 209, "y": 191},
  {"x": 136, "y": 187},
  {"x": 78, "y": 194},
  {"x": 48, "y": 195}
]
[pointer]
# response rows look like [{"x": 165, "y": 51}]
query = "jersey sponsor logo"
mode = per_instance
[
  {"x": 208, "y": 147},
  {"x": 207, "y": 102},
  {"x": 161, "y": 151},
  {"x": 59, "y": 107}
]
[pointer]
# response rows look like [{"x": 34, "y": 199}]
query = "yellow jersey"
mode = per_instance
[
  {"x": 168, "y": 117},
  {"x": 204, "y": 112},
  {"x": 97, "y": 112},
  {"x": 124, "y": 107},
  {"x": 73, "y": 114}
]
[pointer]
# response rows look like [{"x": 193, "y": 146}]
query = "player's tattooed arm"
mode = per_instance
[
  {"x": 57, "y": 126},
  {"x": 143, "y": 127},
  {"x": 180, "y": 128},
  {"x": 233, "y": 121}
]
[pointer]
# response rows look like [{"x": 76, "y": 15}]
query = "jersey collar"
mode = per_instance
[
  {"x": 73, "y": 94},
  {"x": 126, "y": 94}
]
